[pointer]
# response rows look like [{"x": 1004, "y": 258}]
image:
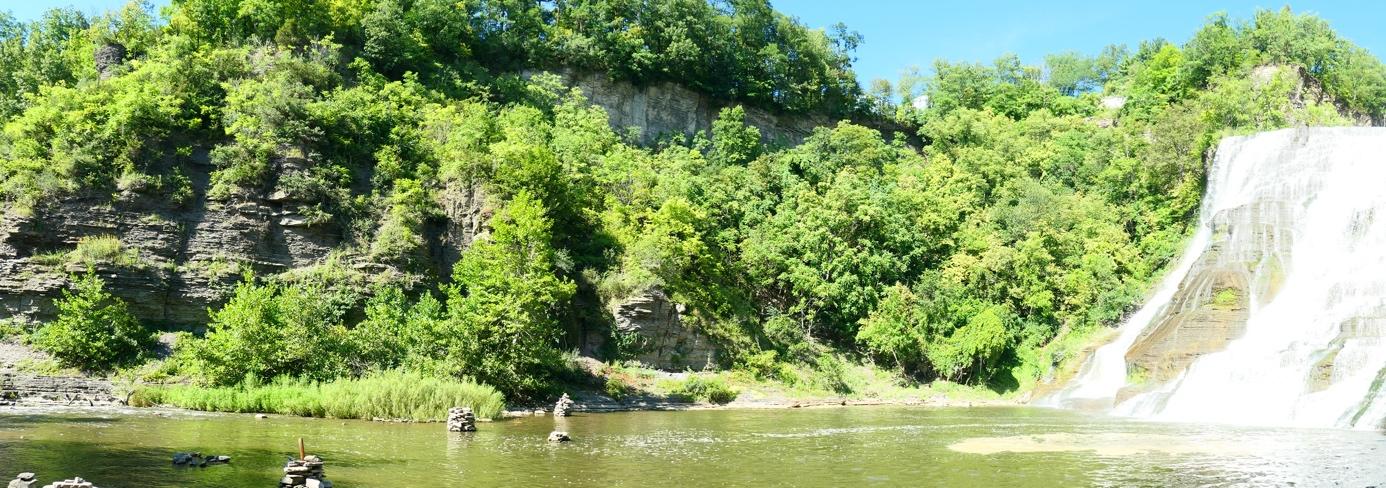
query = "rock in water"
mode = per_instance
[
  {"x": 306, "y": 472},
  {"x": 461, "y": 419},
  {"x": 24, "y": 480},
  {"x": 559, "y": 436},
  {"x": 563, "y": 407}
]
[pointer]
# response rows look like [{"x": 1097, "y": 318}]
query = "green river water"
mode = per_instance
[{"x": 820, "y": 447}]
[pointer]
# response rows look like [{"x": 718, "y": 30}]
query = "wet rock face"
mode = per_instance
[
  {"x": 660, "y": 337},
  {"x": 1213, "y": 303}
]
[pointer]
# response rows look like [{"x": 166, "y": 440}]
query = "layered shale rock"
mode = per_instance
[{"x": 652, "y": 327}]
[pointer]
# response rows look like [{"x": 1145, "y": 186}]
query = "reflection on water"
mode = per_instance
[{"x": 809, "y": 448}]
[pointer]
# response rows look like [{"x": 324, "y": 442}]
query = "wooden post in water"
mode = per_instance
[{"x": 301, "y": 454}]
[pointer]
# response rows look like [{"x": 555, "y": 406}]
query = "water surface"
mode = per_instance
[{"x": 828, "y": 447}]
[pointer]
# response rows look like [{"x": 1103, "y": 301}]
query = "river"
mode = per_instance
[{"x": 818, "y": 447}]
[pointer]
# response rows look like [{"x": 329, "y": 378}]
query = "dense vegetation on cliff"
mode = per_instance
[{"x": 1037, "y": 209}]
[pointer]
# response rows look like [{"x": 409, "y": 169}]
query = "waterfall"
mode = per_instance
[{"x": 1276, "y": 312}]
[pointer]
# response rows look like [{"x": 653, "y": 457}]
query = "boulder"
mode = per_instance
[
  {"x": 24, "y": 480},
  {"x": 559, "y": 436}
]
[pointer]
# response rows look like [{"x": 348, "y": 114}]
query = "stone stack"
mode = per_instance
[
  {"x": 461, "y": 419},
  {"x": 24, "y": 480},
  {"x": 563, "y": 407},
  {"x": 72, "y": 483},
  {"x": 306, "y": 472}
]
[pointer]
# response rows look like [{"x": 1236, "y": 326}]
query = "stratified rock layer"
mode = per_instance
[{"x": 661, "y": 338}]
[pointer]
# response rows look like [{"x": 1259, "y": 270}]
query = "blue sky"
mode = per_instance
[{"x": 900, "y": 33}]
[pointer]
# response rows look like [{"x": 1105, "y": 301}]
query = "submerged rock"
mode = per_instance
[{"x": 559, "y": 436}]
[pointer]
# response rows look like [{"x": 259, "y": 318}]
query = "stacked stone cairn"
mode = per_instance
[
  {"x": 461, "y": 419},
  {"x": 24, "y": 480},
  {"x": 72, "y": 483},
  {"x": 306, "y": 472},
  {"x": 563, "y": 407}
]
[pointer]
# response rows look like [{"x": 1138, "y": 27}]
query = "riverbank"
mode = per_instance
[{"x": 606, "y": 387}]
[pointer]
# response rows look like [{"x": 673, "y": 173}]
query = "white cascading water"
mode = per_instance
[{"x": 1303, "y": 213}]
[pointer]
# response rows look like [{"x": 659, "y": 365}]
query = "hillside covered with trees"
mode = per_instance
[{"x": 1043, "y": 202}]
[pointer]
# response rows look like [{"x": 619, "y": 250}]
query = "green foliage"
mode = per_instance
[
  {"x": 1029, "y": 217},
  {"x": 94, "y": 330},
  {"x": 94, "y": 250},
  {"x": 711, "y": 389},
  {"x": 505, "y": 307},
  {"x": 270, "y": 330},
  {"x": 393, "y": 395}
]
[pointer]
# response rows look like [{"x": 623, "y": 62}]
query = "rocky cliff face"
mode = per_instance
[
  {"x": 653, "y": 327},
  {"x": 661, "y": 109},
  {"x": 1305, "y": 89},
  {"x": 183, "y": 259}
]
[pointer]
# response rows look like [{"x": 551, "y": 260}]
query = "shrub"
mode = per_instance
[
  {"x": 706, "y": 389},
  {"x": 617, "y": 389},
  {"x": 94, "y": 330},
  {"x": 270, "y": 330},
  {"x": 393, "y": 394},
  {"x": 92, "y": 250}
]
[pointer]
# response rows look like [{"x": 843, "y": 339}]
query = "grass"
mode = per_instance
[
  {"x": 103, "y": 249},
  {"x": 394, "y": 395},
  {"x": 92, "y": 250},
  {"x": 1226, "y": 298}
]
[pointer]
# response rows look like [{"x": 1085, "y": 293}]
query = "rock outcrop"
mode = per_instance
[
  {"x": 1211, "y": 308},
  {"x": 1305, "y": 89},
  {"x": 187, "y": 257},
  {"x": 654, "y": 329},
  {"x": 661, "y": 109},
  {"x": 24, "y": 389}
]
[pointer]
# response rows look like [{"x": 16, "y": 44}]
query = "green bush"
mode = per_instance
[
  {"x": 711, "y": 389},
  {"x": 393, "y": 394},
  {"x": 617, "y": 389},
  {"x": 269, "y": 330},
  {"x": 92, "y": 250},
  {"x": 94, "y": 330}
]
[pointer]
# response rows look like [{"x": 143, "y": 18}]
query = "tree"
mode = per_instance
[
  {"x": 733, "y": 142},
  {"x": 270, "y": 330},
  {"x": 505, "y": 304},
  {"x": 94, "y": 330},
  {"x": 1072, "y": 73}
]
